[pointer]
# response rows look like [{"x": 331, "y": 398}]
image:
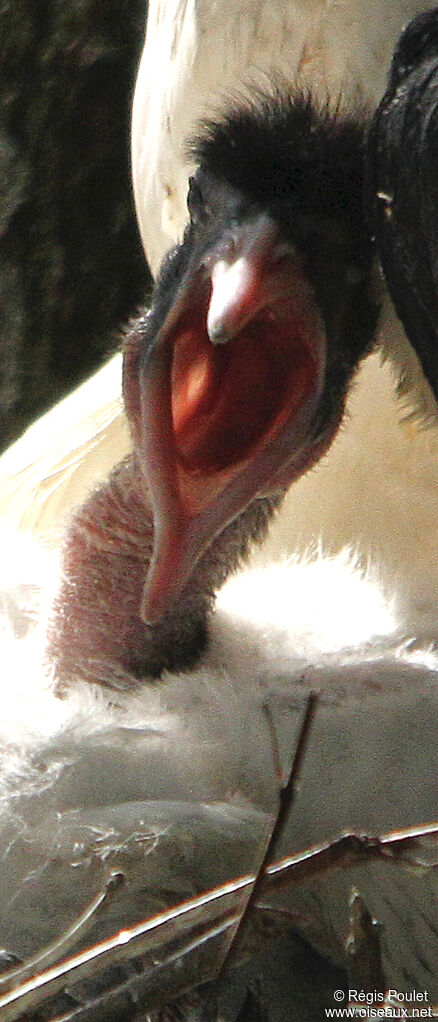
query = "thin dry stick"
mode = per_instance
[{"x": 285, "y": 802}]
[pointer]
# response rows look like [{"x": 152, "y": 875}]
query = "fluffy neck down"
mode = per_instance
[{"x": 97, "y": 632}]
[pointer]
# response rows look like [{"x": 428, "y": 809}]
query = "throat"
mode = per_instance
[{"x": 96, "y": 633}]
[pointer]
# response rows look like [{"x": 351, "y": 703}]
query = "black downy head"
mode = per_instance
[
  {"x": 402, "y": 186},
  {"x": 236, "y": 383}
]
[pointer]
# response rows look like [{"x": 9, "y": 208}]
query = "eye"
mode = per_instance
[{"x": 195, "y": 201}]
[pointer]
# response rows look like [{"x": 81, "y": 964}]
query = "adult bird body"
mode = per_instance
[{"x": 292, "y": 220}]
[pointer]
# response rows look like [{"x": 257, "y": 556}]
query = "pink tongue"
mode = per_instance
[
  {"x": 226, "y": 400},
  {"x": 196, "y": 381}
]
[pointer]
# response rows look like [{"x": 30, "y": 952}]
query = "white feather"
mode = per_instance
[{"x": 90, "y": 786}]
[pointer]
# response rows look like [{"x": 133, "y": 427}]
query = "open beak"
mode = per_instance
[{"x": 225, "y": 401}]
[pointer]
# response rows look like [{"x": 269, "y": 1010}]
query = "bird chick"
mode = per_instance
[{"x": 234, "y": 385}]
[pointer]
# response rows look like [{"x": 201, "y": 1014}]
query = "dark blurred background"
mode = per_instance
[{"x": 71, "y": 264}]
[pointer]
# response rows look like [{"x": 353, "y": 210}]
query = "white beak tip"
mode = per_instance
[
  {"x": 217, "y": 331},
  {"x": 229, "y": 286}
]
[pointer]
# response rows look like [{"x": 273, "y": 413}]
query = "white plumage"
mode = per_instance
[{"x": 176, "y": 786}]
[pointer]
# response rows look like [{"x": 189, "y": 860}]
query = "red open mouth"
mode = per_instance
[
  {"x": 227, "y": 399},
  {"x": 219, "y": 425}
]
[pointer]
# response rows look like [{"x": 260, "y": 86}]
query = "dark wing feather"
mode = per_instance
[{"x": 402, "y": 187}]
